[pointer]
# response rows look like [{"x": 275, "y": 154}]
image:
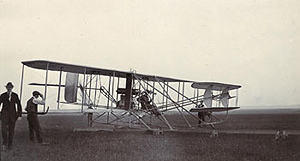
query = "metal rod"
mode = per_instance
[
  {"x": 166, "y": 121},
  {"x": 113, "y": 86},
  {"x": 153, "y": 90},
  {"x": 59, "y": 87},
  {"x": 87, "y": 98},
  {"x": 178, "y": 106},
  {"x": 118, "y": 84},
  {"x": 182, "y": 93},
  {"x": 163, "y": 99},
  {"x": 139, "y": 93},
  {"x": 22, "y": 79},
  {"x": 90, "y": 90},
  {"x": 46, "y": 80},
  {"x": 167, "y": 94},
  {"x": 177, "y": 103},
  {"x": 109, "y": 83},
  {"x": 178, "y": 91},
  {"x": 83, "y": 91},
  {"x": 197, "y": 95},
  {"x": 107, "y": 118},
  {"x": 95, "y": 95},
  {"x": 147, "y": 84},
  {"x": 99, "y": 97},
  {"x": 140, "y": 119}
]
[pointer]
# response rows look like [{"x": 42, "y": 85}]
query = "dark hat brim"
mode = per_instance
[{"x": 9, "y": 84}]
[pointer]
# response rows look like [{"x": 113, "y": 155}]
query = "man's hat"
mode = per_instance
[
  {"x": 9, "y": 85},
  {"x": 35, "y": 93}
]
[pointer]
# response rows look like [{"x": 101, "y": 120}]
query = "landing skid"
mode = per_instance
[{"x": 127, "y": 118}]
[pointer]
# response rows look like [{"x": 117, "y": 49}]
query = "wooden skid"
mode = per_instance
[{"x": 213, "y": 109}]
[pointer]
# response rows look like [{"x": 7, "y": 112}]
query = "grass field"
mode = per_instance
[{"x": 67, "y": 145}]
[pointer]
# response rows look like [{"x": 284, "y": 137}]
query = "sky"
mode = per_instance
[{"x": 251, "y": 43}]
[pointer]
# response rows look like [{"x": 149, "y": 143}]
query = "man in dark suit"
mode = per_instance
[{"x": 9, "y": 115}]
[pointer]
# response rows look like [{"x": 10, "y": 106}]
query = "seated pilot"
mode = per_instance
[{"x": 121, "y": 103}]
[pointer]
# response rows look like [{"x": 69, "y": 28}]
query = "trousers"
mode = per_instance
[
  {"x": 34, "y": 127},
  {"x": 8, "y": 130}
]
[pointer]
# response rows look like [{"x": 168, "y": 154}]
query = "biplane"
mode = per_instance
[{"x": 131, "y": 99}]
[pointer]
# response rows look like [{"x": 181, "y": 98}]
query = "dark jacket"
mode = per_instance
[
  {"x": 9, "y": 111},
  {"x": 31, "y": 108}
]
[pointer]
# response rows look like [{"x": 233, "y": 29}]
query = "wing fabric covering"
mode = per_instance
[
  {"x": 71, "y": 87},
  {"x": 208, "y": 97},
  {"x": 225, "y": 97},
  {"x": 80, "y": 69}
]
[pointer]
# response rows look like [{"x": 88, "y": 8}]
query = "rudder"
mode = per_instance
[{"x": 71, "y": 87}]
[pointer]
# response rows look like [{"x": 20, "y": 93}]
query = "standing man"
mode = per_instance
[
  {"x": 33, "y": 122},
  {"x": 9, "y": 115},
  {"x": 201, "y": 115}
]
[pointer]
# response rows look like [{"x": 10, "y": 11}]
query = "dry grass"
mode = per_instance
[{"x": 137, "y": 145}]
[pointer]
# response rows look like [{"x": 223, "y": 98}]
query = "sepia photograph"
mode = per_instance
[{"x": 159, "y": 80}]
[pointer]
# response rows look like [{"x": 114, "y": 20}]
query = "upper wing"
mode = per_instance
[
  {"x": 215, "y": 86},
  {"x": 56, "y": 66}
]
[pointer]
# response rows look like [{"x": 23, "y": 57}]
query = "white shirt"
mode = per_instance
[
  {"x": 9, "y": 96},
  {"x": 38, "y": 101}
]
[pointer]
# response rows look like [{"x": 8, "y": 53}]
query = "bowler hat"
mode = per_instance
[
  {"x": 34, "y": 93},
  {"x": 9, "y": 85}
]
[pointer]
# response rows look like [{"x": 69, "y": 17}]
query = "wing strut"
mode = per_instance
[{"x": 46, "y": 87}]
